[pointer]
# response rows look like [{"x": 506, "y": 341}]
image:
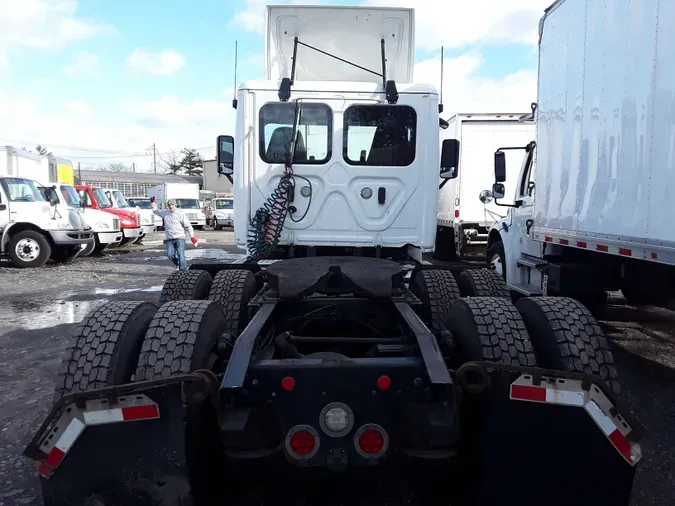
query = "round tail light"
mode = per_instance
[
  {"x": 371, "y": 441},
  {"x": 302, "y": 442}
]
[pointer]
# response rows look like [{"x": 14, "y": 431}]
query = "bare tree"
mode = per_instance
[
  {"x": 171, "y": 162},
  {"x": 117, "y": 167}
]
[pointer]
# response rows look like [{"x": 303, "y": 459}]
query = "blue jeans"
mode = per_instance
[{"x": 175, "y": 250}]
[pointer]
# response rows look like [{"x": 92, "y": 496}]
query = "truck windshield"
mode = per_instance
[
  {"x": 119, "y": 198},
  {"x": 187, "y": 203},
  {"x": 21, "y": 190},
  {"x": 101, "y": 198},
  {"x": 142, "y": 203},
  {"x": 70, "y": 195},
  {"x": 224, "y": 204}
]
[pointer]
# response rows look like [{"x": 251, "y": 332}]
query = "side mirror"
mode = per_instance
[
  {"x": 485, "y": 196},
  {"x": 500, "y": 167},
  {"x": 449, "y": 158},
  {"x": 225, "y": 156},
  {"x": 53, "y": 197},
  {"x": 498, "y": 190}
]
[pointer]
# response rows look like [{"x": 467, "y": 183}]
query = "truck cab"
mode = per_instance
[
  {"x": 120, "y": 202},
  {"x": 222, "y": 212},
  {"x": 130, "y": 222},
  {"x": 333, "y": 156},
  {"x": 143, "y": 203}
]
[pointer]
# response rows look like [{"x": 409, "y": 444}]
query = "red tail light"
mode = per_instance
[
  {"x": 371, "y": 441},
  {"x": 302, "y": 442}
]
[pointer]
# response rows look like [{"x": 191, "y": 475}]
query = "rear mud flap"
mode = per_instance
[
  {"x": 127, "y": 453},
  {"x": 527, "y": 446}
]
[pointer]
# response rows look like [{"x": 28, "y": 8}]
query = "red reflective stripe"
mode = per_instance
[
  {"x": 621, "y": 444},
  {"x": 140, "y": 412},
  {"x": 55, "y": 457},
  {"x": 654, "y": 256},
  {"x": 625, "y": 251},
  {"x": 581, "y": 244},
  {"x": 548, "y": 239},
  {"x": 528, "y": 393},
  {"x": 602, "y": 247},
  {"x": 563, "y": 241}
]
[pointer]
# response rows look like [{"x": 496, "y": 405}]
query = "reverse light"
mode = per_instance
[
  {"x": 302, "y": 442},
  {"x": 371, "y": 441},
  {"x": 336, "y": 419}
]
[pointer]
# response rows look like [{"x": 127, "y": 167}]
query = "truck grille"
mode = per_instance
[{"x": 116, "y": 224}]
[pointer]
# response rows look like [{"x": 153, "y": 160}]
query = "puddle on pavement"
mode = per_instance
[
  {"x": 116, "y": 291},
  {"x": 215, "y": 254},
  {"x": 33, "y": 315}
]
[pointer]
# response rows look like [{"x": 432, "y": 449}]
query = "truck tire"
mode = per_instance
[
  {"x": 566, "y": 337},
  {"x": 496, "y": 258},
  {"x": 437, "y": 290},
  {"x": 490, "y": 329},
  {"x": 482, "y": 283},
  {"x": 105, "y": 348},
  {"x": 186, "y": 285},
  {"x": 29, "y": 249},
  {"x": 233, "y": 290},
  {"x": 66, "y": 254},
  {"x": 183, "y": 337}
]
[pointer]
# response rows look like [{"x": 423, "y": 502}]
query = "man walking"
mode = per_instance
[{"x": 175, "y": 226}]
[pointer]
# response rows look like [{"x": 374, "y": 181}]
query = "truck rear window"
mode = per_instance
[
  {"x": 315, "y": 129},
  {"x": 379, "y": 135}
]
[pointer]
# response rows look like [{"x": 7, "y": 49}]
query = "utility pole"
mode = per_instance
[
  {"x": 133, "y": 167},
  {"x": 79, "y": 172},
  {"x": 154, "y": 157}
]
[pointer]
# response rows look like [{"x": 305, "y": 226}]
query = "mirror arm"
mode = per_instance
[{"x": 443, "y": 183}]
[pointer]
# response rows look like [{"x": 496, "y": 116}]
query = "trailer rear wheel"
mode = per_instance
[
  {"x": 482, "y": 283},
  {"x": 183, "y": 337},
  {"x": 186, "y": 285},
  {"x": 437, "y": 290},
  {"x": 233, "y": 290},
  {"x": 566, "y": 337},
  {"x": 105, "y": 348}
]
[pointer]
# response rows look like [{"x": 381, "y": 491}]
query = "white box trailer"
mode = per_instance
[
  {"x": 464, "y": 213},
  {"x": 595, "y": 195}
]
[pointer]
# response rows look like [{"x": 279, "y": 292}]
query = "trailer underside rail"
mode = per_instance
[{"x": 431, "y": 353}]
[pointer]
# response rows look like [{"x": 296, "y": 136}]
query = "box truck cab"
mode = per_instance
[
  {"x": 186, "y": 196},
  {"x": 32, "y": 229},
  {"x": 105, "y": 226},
  {"x": 94, "y": 197},
  {"x": 222, "y": 212},
  {"x": 120, "y": 202}
]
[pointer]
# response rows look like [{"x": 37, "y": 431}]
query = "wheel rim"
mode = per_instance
[
  {"x": 27, "y": 250},
  {"x": 496, "y": 264}
]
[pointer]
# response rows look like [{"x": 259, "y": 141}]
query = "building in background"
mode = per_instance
[
  {"x": 131, "y": 184},
  {"x": 214, "y": 182}
]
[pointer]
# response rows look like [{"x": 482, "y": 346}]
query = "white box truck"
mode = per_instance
[
  {"x": 186, "y": 196},
  {"x": 33, "y": 229},
  {"x": 594, "y": 206},
  {"x": 465, "y": 213}
]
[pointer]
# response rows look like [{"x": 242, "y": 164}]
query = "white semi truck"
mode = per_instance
[
  {"x": 465, "y": 212},
  {"x": 34, "y": 229},
  {"x": 147, "y": 216},
  {"x": 594, "y": 202},
  {"x": 186, "y": 196}
]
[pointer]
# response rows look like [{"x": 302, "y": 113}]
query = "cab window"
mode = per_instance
[
  {"x": 379, "y": 135},
  {"x": 315, "y": 133}
]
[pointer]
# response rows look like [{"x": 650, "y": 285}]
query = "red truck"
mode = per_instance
[{"x": 130, "y": 221}]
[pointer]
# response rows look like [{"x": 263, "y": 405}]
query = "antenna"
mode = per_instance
[
  {"x": 440, "y": 104},
  {"x": 236, "y": 53}
]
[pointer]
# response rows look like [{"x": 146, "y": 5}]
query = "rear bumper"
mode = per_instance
[
  {"x": 71, "y": 237},
  {"x": 132, "y": 233},
  {"x": 109, "y": 237}
]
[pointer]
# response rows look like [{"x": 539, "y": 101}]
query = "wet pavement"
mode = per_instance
[{"x": 40, "y": 308}]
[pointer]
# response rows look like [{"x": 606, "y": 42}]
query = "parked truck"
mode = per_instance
[
  {"x": 186, "y": 196},
  {"x": 34, "y": 228},
  {"x": 144, "y": 203},
  {"x": 332, "y": 344},
  {"x": 120, "y": 202},
  {"x": 465, "y": 212},
  {"x": 221, "y": 213},
  {"x": 591, "y": 210},
  {"x": 95, "y": 197}
]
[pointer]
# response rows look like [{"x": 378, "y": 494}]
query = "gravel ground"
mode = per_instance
[{"x": 38, "y": 310}]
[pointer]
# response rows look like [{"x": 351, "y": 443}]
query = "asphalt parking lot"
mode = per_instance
[{"x": 39, "y": 309}]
